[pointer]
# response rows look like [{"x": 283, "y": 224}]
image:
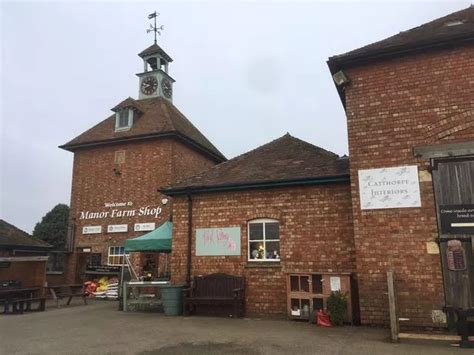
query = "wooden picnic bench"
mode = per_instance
[
  {"x": 219, "y": 294},
  {"x": 21, "y": 299},
  {"x": 58, "y": 292}
]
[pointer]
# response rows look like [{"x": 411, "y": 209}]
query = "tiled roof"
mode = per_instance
[
  {"x": 11, "y": 236},
  {"x": 128, "y": 102},
  {"x": 154, "y": 48},
  {"x": 159, "y": 117},
  {"x": 286, "y": 159},
  {"x": 458, "y": 26}
]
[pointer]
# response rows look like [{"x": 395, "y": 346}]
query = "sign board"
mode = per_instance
[
  {"x": 455, "y": 256},
  {"x": 396, "y": 187},
  {"x": 142, "y": 227},
  {"x": 218, "y": 241},
  {"x": 117, "y": 228},
  {"x": 457, "y": 219},
  {"x": 120, "y": 210},
  {"x": 91, "y": 229},
  {"x": 103, "y": 268}
]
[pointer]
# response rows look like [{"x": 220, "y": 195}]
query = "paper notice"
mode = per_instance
[{"x": 335, "y": 283}]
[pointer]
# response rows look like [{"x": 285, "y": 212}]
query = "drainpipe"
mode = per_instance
[{"x": 190, "y": 238}]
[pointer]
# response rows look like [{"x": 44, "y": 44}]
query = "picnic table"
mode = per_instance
[
  {"x": 19, "y": 297},
  {"x": 58, "y": 292}
]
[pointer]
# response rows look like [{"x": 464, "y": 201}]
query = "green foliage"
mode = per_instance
[
  {"x": 337, "y": 307},
  {"x": 53, "y": 227}
]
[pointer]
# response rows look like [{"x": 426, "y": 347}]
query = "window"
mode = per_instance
[
  {"x": 55, "y": 263},
  {"x": 123, "y": 119},
  {"x": 264, "y": 240},
  {"x": 120, "y": 157},
  {"x": 95, "y": 259},
  {"x": 116, "y": 256}
]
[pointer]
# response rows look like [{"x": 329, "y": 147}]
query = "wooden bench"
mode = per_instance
[
  {"x": 25, "y": 305},
  {"x": 59, "y": 292},
  {"x": 17, "y": 297},
  {"x": 216, "y": 291}
]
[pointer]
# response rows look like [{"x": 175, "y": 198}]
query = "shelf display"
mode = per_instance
[{"x": 307, "y": 292}]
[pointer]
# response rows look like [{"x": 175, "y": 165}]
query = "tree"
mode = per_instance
[{"x": 53, "y": 227}]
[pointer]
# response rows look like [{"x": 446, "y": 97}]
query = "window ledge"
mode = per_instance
[
  {"x": 123, "y": 129},
  {"x": 263, "y": 264},
  {"x": 54, "y": 272}
]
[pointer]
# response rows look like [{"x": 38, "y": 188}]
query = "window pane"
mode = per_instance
[
  {"x": 123, "y": 120},
  {"x": 272, "y": 230},
  {"x": 256, "y": 231},
  {"x": 317, "y": 283},
  {"x": 273, "y": 250},
  {"x": 294, "y": 283},
  {"x": 256, "y": 250},
  {"x": 304, "y": 280}
]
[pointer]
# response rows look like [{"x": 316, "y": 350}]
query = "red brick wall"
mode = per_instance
[
  {"x": 315, "y": 229},
  {"x": 148, "y": 165},
  {"x": 188, "y": 162},
  {"x": 393, "y": 106}
]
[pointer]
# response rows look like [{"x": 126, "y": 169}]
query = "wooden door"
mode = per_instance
[
  {"x": 81, "y": 264},
  {"x": 453, "y": 181}
]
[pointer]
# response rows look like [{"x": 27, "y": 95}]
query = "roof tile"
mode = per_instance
[
  {"x": 284, "y": 159},
  {"x": 158, "y": 116},
  {"x": 13, "y": 236}
]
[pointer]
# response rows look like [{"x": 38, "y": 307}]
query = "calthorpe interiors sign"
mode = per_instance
[
  {"x": 396, "y": 187},
  {"x": 121, "y": 209}
]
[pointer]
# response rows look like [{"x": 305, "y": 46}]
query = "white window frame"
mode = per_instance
[
  {"x": 129, "y": 112},
  {"x": 112, "y": 256},
  {"x": 264, "y": 240}
]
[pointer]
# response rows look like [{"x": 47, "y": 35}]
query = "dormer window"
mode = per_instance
[{"x": 123, "y": 119}]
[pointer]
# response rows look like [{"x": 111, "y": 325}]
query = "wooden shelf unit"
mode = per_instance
[{"x": 307, "y": 292}]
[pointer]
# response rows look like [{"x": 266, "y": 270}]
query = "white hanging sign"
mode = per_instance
[
  {"x": 117, "y": 228},
  {"x": 389, "y": 188},
  {"x": 335, "y": 283},
  {"x": 91, "y": 229},
  {"x": 141, "y": 227}
]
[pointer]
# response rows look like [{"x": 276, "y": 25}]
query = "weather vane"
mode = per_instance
[{"x": 153, "y": 28}]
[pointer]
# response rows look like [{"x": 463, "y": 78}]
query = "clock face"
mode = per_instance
[
  {"x": 149, "y": 85},
  {"x": 166, "y": 88}
]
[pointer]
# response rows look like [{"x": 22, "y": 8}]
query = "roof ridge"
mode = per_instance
[{"x": 242, "y": 156}]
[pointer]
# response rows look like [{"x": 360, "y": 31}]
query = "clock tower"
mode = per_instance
[{"x": 155, "y": 81}]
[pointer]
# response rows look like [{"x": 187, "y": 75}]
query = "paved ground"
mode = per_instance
[{"x": 100, "y": 329}]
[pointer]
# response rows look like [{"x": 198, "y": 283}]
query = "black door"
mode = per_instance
[{"x": 453, "y": 181}]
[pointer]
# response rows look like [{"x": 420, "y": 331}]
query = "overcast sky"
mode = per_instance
[{"x": 246, "y": 73}]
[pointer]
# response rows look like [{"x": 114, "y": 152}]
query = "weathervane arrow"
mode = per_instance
[{"x": 154, "y": 28}]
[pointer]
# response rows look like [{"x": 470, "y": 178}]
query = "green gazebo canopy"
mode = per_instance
[{"x": 157, "y": 240}]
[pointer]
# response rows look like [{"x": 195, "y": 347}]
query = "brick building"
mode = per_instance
[
  {"x": 119, "y": 163},
  {"x": 287, "y": 205},
  {"x": 409, "y": 101},
  {"x": 405, "y": 205},
  {"x": 295, "y": 220}
]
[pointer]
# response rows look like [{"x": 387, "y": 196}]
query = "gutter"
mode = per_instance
[
  {"x": 256, "y": 185},
  {"x": 190, "y": 239}
]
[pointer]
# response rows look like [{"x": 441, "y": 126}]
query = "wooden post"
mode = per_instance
[{"x": 392, "y": 307}]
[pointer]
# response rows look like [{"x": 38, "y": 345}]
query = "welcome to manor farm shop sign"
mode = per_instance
[{"x": 114, "y": 212}]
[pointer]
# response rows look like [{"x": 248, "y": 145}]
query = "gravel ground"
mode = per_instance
[{"x": 99, "y": 328}]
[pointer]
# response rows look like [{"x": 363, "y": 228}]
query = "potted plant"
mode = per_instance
[{"x": 336, "y": 305}]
